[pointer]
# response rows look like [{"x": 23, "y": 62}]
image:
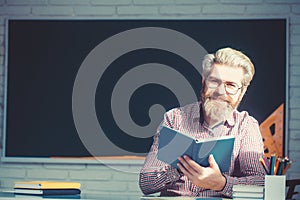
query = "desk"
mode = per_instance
[{"x": 12, "y": 196}]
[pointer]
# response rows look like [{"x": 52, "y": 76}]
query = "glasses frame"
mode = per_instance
[{"x": 225, "y": 83}]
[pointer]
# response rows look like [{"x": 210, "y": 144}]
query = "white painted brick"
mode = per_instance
[
  {"x": 2, "y": 29},
  {"x": 294, "y": 92},
  {"x": 282, "y": 1},
  {"x": 195, "y": 2},
  {"x": 295, "y": 102},
  {"x": 111, "y": 2},
  {"x": 26, "y": 2},
  {"x": 295, "y": 114},
  {"x": 295, "y": 29},
  {"x": 15, "y": 10},
  {"x": 294, "y": 124},
  {"x": 1, "y": 63},
  {"x": 294, "y": 134},
  {"x": 137, "y": 10},
  {"x": 47, "y": 174},
  {"x": 98, "y": 167},
  {"x": 95, "y": 10},
  {"x": 295, "y": 60},
  {"x": 123, "y": 176},
  {"x": 65, "y": 166},
  {"x": 294, "y": 145},
  {"x": 295, "y": 39},
  {"x": 2, "y": 21},
  {"x": 180, "y": 10},
  {"x": 8, "y": 183},
  {"x": 242, "y": 2},
  {"x": 12, "y": 173},
  {"x": 153, "y": 2},
  {"x": 1, "y": 40},
  {"x": 69, "y": 2},
  {"x": 109, "y": 186},
  {"x": 52, "y": 11},
  {"x": 21, "y": 166},
  {"x": 270, "y": 9},
  {"x": 2, "y": 2},
  {"x": 294, "y": 155},
  {"x": 135, "y": 169},
  {"x": 296, "y": 165},
  {"x": 90, "y": 175},
  {"x": 134, "y": 186},
  {"x": 296, "y": 9},
  {"x": 2, "y": 50},
  {"x": 295, "y": 50},
  {"x": 294, "y": 80},
  {"x": 223, "y": 9},
  {"x": 295, "y": 70},
  {"x": 294, "y": 19}
]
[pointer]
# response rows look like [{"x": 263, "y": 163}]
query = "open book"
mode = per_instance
[{"x": 173, "y": 144}]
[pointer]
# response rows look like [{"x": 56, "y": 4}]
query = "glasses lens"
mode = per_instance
[
  {"x": 213, "y": 83},
  {"x": 231, "y": 87}
]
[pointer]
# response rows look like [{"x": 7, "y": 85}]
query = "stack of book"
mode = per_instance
[
  {"x": 48, "y": 188},
  {"x": 248, "y": 192}
]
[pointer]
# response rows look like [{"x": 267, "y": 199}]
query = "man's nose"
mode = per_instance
[{"x": 221, "y": 89}]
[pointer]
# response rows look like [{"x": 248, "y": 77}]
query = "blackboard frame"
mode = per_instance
[{"x": 137, "y": 159}]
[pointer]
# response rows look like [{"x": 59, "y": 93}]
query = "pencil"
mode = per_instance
[
  {"x": 287, "y": 167},
  {"x": 272, "y": 164},
  {"x": 277, "y": 166},
  {"x": 262, "y": 162}
]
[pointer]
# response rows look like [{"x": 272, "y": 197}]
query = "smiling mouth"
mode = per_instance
[{"x": 218, "y": 99}]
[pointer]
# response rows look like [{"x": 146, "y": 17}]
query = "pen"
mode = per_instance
[
  {"x": 272, "y": 164},
  {"x": 287, "y": 167},
  {"x": 262, "y": 162},
  {"x": 280, "y": 167},
  {"x": 277, "y": 166}
]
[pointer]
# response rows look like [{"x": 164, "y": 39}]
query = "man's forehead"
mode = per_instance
[{"x": 227, "y": 73}]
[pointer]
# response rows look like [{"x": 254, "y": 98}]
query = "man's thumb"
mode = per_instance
[{"x": 212, "y": 162}]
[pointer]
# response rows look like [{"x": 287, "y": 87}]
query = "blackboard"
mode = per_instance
[{"x": 46, "y": 111}]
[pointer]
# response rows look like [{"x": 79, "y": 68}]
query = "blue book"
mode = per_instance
[{"x": 173, "y": 144}]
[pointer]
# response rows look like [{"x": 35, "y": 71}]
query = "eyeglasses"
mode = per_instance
[{"x": 230, "y": 87}]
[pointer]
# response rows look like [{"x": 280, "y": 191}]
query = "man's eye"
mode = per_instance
[
  {"x": 214, "y": 81},
  {"x": 232, "y": 85}
]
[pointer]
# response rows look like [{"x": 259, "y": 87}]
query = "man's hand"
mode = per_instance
[{"x": 207, "y": 177}]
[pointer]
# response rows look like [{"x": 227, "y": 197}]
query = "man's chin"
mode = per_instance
[{"x": 217, "y": 109}]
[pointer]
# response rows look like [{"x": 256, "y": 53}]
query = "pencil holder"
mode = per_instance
[{"x": 274, "y": 187}]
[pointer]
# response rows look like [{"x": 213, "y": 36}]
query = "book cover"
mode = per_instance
[
  {"x": 47, "y": 185},
  {"x": 173, "y": 144},
  {"x": 248, "y": 194},
  {"x": 247, "y": 198},
  {"x": 47, "y": 192},
  {"x": 248, "y": 188}
]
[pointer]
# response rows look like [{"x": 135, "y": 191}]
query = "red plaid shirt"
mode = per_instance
[{"x": 157, "y": 176}]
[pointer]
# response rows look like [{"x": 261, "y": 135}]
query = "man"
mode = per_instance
[{"x": 226, "y": 76}]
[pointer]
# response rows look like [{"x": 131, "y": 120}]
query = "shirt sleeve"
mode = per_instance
[
  {"x": 247, "y": 168},
  {"x": 157, "y": 175}
]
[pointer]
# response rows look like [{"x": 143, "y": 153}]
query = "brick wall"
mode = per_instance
[{"x": 102, "y": 179}]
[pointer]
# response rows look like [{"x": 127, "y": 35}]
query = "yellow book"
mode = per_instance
[{"x": 47, "y": 185}]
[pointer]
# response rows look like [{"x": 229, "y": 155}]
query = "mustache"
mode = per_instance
[{"x": 220, "y": 98}]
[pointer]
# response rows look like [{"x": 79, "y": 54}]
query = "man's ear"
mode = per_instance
[{"x": 244, "y": 90}]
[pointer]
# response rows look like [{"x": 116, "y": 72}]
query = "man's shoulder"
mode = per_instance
[
  {"x": 244, "y": 116},
  {"x": 186, "y": 109}
]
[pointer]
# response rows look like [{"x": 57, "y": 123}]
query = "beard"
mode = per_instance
[{"x": 218, "y": 108}]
